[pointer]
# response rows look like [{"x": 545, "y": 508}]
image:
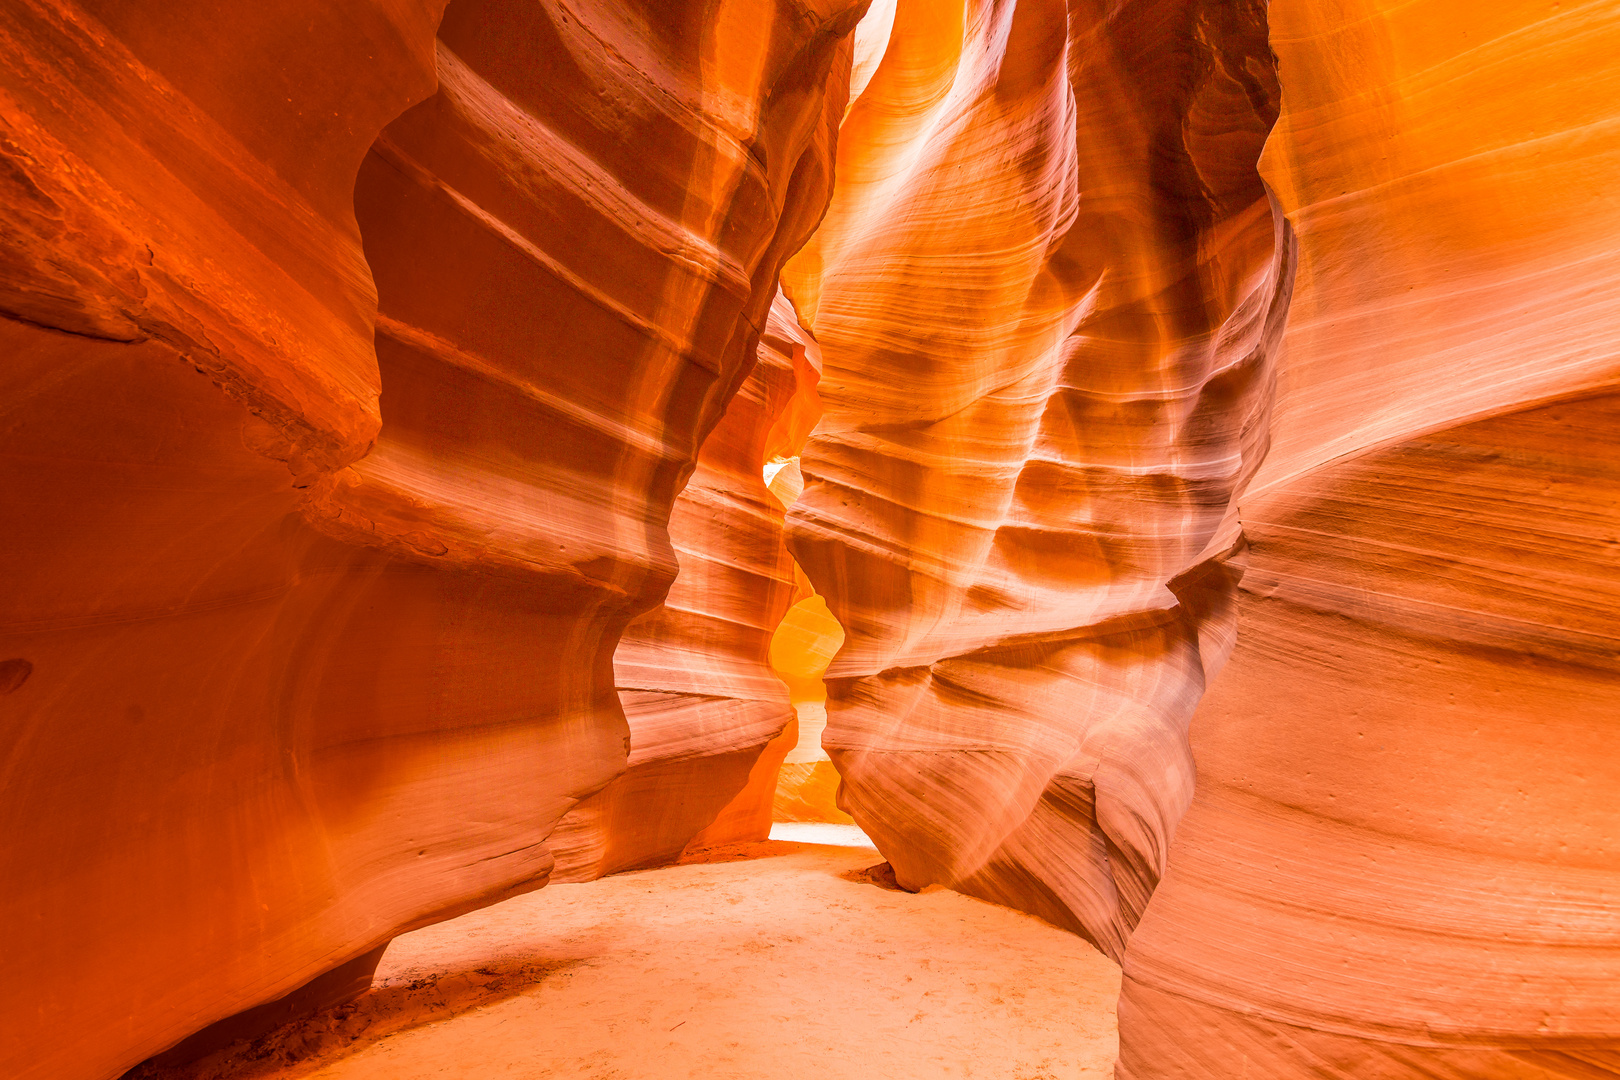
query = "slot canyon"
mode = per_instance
[{"x": 621, "y": 539}]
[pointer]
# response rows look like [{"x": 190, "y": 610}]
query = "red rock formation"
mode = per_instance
[
  {"x": 694, "y": 674},
  {"x": 337, "y": 477},
  {"x": 751, "y": 811},
  {"x": 1404, "y": 855},
  {"x": 186, "y": 304},
  {"x": 1046, "y": 295},
  {"x": 283, "y": 684}
]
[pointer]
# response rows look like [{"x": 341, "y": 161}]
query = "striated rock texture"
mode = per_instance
[
  {"x": 1404, "y": 855},
  {"x": 694, "y": 674},
  {"x": 306, "y": 643},
  {"x": 1047, "y": 295},
  {"x": 749, "y": 814},
  {"x": 372, "y": 368}
]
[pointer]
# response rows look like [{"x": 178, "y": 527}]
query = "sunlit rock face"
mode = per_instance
[
  {"x": 695, "y": 674},
  {"x": 785, "y": 344},
  {"x": 805, "y": 642},
  {"x": 372, "y": 368},
  {"x": 1404, "y": 854},
  {"x": 1047, "y": 294},
  {"x": 804, "y": 645},
  {"x": 307, "y": 642}
]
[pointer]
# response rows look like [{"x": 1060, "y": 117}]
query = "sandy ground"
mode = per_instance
[{"x": 780, "y": 960}]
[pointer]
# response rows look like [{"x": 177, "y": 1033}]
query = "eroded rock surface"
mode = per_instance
[
  {"x": 371, "y": 369},
  {"x": 1404, "y": 854},
  {"x": 1047, "y": 295},
  {"x": 695, "y": 674},
  {"x": 291, "y": 673}
]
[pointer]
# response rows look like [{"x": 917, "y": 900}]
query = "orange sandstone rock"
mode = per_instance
[
  {"x": 695, "y": 674},
  {"x": 1047, "y": 294},
  {"x": 1404, "y": 854},
  {"x": 288, "y": 673},
  {"x": 790, "y": 652},
  {"x": 808, "y": 791},
  {"x": 187, "y": 338},
  {"x": 368, "y": 380}
]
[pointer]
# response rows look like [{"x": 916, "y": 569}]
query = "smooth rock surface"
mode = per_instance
[
  {"x": 319, "y": 638},
  {"x": 369, "y": 376},
  {"x": 187, "y": 334},
  {"x": 1047, "y": 294},
  {"x": 695, "y": 675},
  {"x": 1403, "y": 858}
]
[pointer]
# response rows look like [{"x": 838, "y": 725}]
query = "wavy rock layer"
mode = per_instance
[
  {"x": 286, "y": 675},
  {"x": 694, "y": 674},
  {"x": 791, "y": 652},
  {"x": 1404, "y": 853},
  {"x": 1047, "y": 294}
]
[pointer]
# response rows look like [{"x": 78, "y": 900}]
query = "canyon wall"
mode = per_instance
[
  {"x": 372, "y": 369},
  {"x": 308, "y": 640},
  {"x": 1047, "y": 294},
  {"x": 694, "y": 674},
  {"x": 1403, "y": 858}
]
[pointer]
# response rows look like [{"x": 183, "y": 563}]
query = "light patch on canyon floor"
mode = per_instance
[
  {"x": 818, "y": 832},
  {"x": 777, "y": 959}
]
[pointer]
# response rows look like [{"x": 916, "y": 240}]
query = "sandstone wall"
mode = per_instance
[
  {"x": 307, "y": 643},
  {"x": 1047, "y": 295},
  {"x": 694, "y": 674},
  {"x": 1404, "y": 854},
  {"x": 358, "y": 355}
]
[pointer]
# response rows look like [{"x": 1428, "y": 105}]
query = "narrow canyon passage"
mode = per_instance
[
  {"x": 470, "y": 469},
  {"x": 773, "y": 959}
]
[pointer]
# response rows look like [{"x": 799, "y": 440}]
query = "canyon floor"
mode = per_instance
[{"x": 784, "y": 959}]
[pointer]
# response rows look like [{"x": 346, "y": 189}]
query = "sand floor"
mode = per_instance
[{"x": 781, "y": 960}]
